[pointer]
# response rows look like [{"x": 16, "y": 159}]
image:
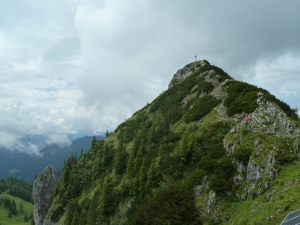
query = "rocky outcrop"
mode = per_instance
[
  {"x": 260, "y": 98},
  {"x": 186, "y": 71},
  {"x": 268, "y": 121},
  {"x": 208, "y": 202},
  {"x": 254, "y": 172},
  {"x": 43, "y": 189},
  {"x": 268, "y": 118}
]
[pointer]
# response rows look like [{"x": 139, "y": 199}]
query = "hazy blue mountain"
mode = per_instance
[{"x": 25, "y": 166}]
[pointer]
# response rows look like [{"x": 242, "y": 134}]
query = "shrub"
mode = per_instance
[
  {"x": 221, "y": 181},
  {"x": 204, "y": 86},
  {"x": 242, "y": 154},
  {"x": 242, "y": 98},
  {"x": 287, "y": 158},
  {"x": 215, "y": 150},
  {"x": 174, "y": 95},
  {"x": 195, "y": 177},
  {"x": 219, "y": 184},
  {"x": 207, "y": 164},
  {"x": 244, "y": 103},
  {"x": 174, "y": 205},
  {"x": 206, "y": 61},
  {"x": 202, "y": 107},
  {"x": 57, "y": 211},
  {"x": 172, "y": 137}
]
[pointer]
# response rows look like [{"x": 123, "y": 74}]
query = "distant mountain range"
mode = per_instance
[{"x": 25, "y": 166}]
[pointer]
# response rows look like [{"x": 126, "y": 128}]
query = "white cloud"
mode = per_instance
[
  {"x": 280, "y": 76},
  {"x": 61, "y": 139},
  {"x": 12, "y": 141},
  {"x": 68, "y": 66}
]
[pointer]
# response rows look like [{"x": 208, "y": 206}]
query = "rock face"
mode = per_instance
[
  {"x": 185, "y": 71},
  {"x": 267, "y": 121},
  {"x": 260, "y": 98},
  {"x": 43, "y": 189}
]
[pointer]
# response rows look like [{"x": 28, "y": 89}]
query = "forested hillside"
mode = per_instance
[
  {"x": 16, "y": 204},
  {"x": 17, "y": 187},
  {"x": 189, "y": 157}
]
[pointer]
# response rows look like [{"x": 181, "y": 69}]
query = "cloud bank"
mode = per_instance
[{"x": 73, "y": 66}]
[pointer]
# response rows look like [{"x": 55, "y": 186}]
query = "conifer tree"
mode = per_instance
[
  {"x": 120, "y": 157},
  {"x": 142, "y": 178},
  {"x": 21, "y": 207},
  {"x": 153, "y": 174},
  {"x": 106, "y": 156},
  {"x": 75, "y": 220},
  {"x": 94, "y": 211},
  {"x": 132, "y": 157},
  {"x": 25, "y": 217},
  {"x": 72, "y": 208},
  {"x": 94, "y": 141},
  {"x": 184, "y": 148},
  {"x": 13, "y": 208}
]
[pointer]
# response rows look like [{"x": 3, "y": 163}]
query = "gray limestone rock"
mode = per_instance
[
  {"x": 241, "y": 168},
  {"x": 296, "y": 145},
  {"x": 211, "y": 201},
  {"x": 256, "y": 142},
  {"x": 185, "y": 71},
  {"x": 43, "y": 189},
  {"x": 238, "y": 180},
  {"x": 260, "y": 98},
  {"x": 254, "y": 173},
  {"x": 270, "y": 119}
]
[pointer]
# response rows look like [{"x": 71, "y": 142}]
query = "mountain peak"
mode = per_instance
[
  {"x": 194, "y": 149},
  {"x": 187, "y": 70}
]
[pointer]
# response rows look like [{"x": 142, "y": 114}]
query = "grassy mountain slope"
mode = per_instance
[
  {"x": 189, "y": 157},
  {"x": 19, "y": 218},
  {"x": 16, "y": 206}
]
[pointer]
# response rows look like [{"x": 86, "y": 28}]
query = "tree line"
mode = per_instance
[{"x": 17, "y": 187}]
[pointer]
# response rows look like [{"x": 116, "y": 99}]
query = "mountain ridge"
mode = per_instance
[{"x": 189, "y": 157}]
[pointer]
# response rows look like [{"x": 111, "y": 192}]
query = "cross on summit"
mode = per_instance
[{"x": 195, "y": 57}]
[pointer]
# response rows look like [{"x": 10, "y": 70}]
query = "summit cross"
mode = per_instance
[{"x": 195, "y": 57}]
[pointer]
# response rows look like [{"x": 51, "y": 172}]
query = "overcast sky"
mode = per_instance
[{"x": 70, "y": 66}]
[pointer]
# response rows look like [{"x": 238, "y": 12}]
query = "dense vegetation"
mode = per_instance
[
  {"x": 146, "y": 172},
  {"x": 17, "y": 187},
  {"x": 201, "y": 107},
  {"x": 242, "y": 98}
]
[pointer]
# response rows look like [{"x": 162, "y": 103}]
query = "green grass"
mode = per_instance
[{"x": 15, "y": 220}]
